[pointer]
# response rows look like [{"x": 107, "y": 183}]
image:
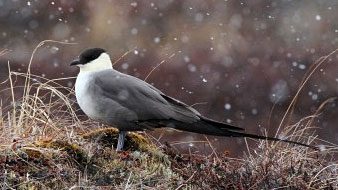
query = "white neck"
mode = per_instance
[{"x": 103, "y": 62}]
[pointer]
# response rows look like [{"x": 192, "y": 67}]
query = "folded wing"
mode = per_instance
[{"x": 154, "y": 107}]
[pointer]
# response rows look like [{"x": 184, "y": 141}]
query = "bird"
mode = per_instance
[{"x": 131, "y": 104}]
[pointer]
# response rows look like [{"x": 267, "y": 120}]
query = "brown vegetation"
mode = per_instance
[{"x": 45, "y": 146}]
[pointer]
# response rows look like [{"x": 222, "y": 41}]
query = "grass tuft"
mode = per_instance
[{"x": 44, "y": 145}]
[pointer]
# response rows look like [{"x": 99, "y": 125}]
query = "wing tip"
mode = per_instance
[{"x": 221, "y": 124}]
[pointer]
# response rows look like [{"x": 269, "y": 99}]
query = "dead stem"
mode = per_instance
[{"x": 312, "y": 70}]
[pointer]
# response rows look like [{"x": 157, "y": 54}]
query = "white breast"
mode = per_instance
[{"x": 83, "y": 96}]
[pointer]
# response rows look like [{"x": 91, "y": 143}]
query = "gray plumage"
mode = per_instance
[{"x": 130, "y": 104}]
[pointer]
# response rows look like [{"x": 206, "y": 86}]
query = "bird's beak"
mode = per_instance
[{"x": 75, "y": 62}]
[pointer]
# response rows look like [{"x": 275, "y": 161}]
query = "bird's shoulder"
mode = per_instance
[
  {"x": 136, "y": 90},
  {"x": 112, "y": 81},
  {"x": 116, "y": 80},
  {"x": 113, "y": 78}
]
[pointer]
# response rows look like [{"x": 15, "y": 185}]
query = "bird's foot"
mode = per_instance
[{"x": 120, "y": 141}]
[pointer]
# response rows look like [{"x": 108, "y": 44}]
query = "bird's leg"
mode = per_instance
[{"x": 120, "y": 141}]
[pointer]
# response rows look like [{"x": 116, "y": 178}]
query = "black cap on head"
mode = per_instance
[{"x": 88, "y": 55}]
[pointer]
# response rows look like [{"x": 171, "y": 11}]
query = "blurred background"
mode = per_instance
[{"x": 239, "y": 62}]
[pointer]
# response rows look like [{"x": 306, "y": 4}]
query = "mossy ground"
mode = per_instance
[
  {"x": 91, "y": 162},
  {"x": 44, "y": 145}
]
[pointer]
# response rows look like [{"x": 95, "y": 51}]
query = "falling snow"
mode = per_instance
[
  {"x": 254, "y": 111},
  {"x": 134, "y": 31},
  {"x": 54, "y": 49},
  {"x": 227, "y": 106},
  {"x": 192, "y": 68},
  {"x": 157, "y": 40},
  {"x": 133, "y": 4},
  {"x": 186, "y": 59},
  {"x": 125, "y": 66},
  {"x": 279, "y": 91},
  {"x": 302, "y": 66}
]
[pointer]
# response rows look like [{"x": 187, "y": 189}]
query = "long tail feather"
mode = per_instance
[
  {"x": 211, "y": 127},
  {"x": 239, "y": 134}
]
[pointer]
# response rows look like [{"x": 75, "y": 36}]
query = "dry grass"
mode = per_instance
[{"x": 44, "y": 145}]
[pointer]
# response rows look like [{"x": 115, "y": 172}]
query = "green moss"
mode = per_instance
[
  {"x": 93, "y": 156},
  {"x": 108, "y": 137},
  {"x": 72, "y": 149},
  {"x": 33, "y": 153}
]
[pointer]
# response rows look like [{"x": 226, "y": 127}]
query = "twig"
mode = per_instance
[
  {"x": 33, "y": 54},
  {"x": 312, "y": 179},
  {"x": 320, "y": 62},
  {"x": 185, "y": 183},
  {"x": 121, "y": 57},
  {"x": 212, "y": 148},
  {"x": 127, "y": 184},
  {"x": 13, "y": 97},
  {"x": 4, "y": 51},
  {"x": 198, "y": 103},
  {"x": 163, "y": 61}
]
